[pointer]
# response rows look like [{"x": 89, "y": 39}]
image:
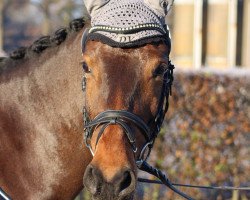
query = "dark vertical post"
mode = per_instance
[
  {"x": 204, "y": 30},
  {"x": 240, "y": 14}
]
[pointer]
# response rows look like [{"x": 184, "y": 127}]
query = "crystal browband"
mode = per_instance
[{"x": 129, "y": 30}]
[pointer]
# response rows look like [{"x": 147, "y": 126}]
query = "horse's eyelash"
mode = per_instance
[
  {"x": 160, "y": 70},
  {"x": 85, "y": 67}
]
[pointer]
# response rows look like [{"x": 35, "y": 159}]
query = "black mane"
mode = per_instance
[{"x": 47, "y": 41}]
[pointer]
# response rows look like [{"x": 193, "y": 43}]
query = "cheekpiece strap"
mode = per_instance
[{"x": 84, "y": 39}]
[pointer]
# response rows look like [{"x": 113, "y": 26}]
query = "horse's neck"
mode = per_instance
[{"x": 41, "y": 146}]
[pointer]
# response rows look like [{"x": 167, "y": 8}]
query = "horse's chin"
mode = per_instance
[{"x": 107, "y": 197}]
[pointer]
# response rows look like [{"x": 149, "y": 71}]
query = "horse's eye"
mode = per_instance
[
  {"x": 160, "y": 70},
  {"x": 85, "y": 67}
]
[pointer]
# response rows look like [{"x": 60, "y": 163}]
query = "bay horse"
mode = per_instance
[{"x": 42, "y": 150}]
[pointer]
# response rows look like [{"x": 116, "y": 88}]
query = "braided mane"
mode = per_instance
[{"x": 47, "y": 41}]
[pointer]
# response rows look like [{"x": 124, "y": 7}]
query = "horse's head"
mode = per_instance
[
  {"x": 126, "y": 92},
  {"x": 120, "y": 79}
]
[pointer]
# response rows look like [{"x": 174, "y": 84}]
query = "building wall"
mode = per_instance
[
  {"x": 217, "y": 34},
  {"x": 204, "y": 33},
  {"x": 246, "y": 35},
  {"x": 182, "y": 33}
]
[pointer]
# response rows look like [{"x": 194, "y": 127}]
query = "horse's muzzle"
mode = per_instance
[{"x": 120, "y": 187}]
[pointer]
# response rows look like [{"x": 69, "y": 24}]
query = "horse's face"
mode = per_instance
[{"x": 120, "y": 79}]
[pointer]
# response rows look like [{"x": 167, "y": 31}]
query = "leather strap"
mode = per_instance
[
  {"x": 3, "y": 195},
  {"x": 119, "y": 117}
]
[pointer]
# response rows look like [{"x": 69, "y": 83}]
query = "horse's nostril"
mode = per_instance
[
  {"x": 92, "y": 180},
  {"x": 121, "y": 186},
  {"x": 125, "y": 183}
]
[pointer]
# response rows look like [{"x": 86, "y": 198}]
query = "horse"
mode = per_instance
[{"x": 72, "y": 118}]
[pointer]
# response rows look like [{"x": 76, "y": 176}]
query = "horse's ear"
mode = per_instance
[
  {"x": 163, "y": 6},
  {"x": 93, "y": 5}
]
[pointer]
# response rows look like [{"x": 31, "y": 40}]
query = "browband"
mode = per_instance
[{"x": 96, "y": 33}]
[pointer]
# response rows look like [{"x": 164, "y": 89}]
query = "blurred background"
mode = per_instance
[
  {"x": 206, "y": 137},
  {"x": 23, "y": 21}
]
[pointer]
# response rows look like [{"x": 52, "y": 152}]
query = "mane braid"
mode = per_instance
[{"x": 48, "y": 41}]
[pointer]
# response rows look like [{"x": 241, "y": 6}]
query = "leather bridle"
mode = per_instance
[{"x": 123, "y": 118}]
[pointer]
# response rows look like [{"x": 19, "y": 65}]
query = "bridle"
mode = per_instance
[{"x": 124, "y": 118}]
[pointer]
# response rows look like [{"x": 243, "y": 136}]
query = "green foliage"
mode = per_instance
[
  {"x": 207, "y": 132},
  {"x": 205, "y": 139}
]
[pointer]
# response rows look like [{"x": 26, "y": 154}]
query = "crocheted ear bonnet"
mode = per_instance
[{"x": 128, "y": 23}]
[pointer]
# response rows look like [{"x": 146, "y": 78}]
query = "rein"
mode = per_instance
[
  {"x": 163, "y": 180},
  {"x": 143, "y": 180}
]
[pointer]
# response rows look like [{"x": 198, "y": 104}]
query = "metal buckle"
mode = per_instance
[
  {"x": 134, "y": 147},
  {"x": 142, "y": 156},
  {"x": 139, "y": 163}
]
